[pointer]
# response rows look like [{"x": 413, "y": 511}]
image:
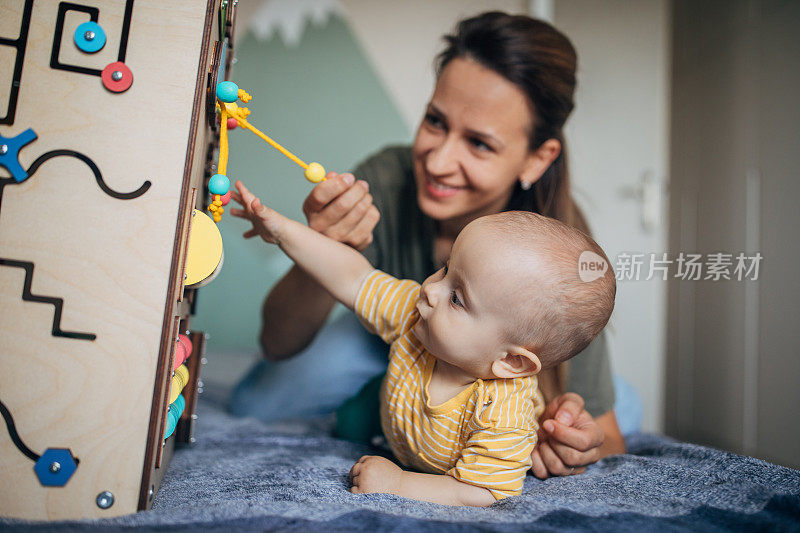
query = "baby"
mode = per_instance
[{"x": 460, "y": 399}]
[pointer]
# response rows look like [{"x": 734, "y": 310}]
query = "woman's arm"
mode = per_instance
[
  {"x": 296, "y": 308},
  {"x": 293, "y": 312},
  {"x": 613, "y": 442}
]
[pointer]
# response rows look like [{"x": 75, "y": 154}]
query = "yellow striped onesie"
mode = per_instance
[{"x": 483, "y": 436}]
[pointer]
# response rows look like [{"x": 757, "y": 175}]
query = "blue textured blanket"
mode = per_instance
[{"x": 245, "y": 475}]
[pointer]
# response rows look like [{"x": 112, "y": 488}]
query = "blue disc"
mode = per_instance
[
  {"x": 90, "y": 37},
  {"x": 227, "y": 91},
  {"x": 219, "y": 184}
]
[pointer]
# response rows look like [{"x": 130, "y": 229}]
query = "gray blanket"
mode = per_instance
[{"x": 246, "y": 475}]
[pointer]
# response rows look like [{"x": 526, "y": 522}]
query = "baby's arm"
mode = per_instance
[
  {"x": 335, "y": 266},
  {"x": 377, "y": 474}
]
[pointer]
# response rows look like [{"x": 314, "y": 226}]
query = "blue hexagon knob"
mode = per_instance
[
  {"x": 55, "y": 467},
  {"x": 227, "y": 91}
]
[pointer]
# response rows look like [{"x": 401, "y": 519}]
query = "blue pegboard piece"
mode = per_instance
[
  {"x": 9, "y": 153},
  {"x": 89, "y": 37},
  {"x": 55, "y": 467}
]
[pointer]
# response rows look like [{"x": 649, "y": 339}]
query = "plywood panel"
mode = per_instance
[{"x": 109, "y": 259}]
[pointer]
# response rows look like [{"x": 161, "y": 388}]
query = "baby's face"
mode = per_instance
[{"x": 465, "y": 307}]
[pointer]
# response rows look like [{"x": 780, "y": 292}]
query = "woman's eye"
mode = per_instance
[
  {"x": 480, "y": 145},
  {"x": 454, "y": 299},
  {"x": 434, "y": 121}
]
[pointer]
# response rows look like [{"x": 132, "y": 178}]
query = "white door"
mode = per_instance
[{"x": 617, "y": 142}]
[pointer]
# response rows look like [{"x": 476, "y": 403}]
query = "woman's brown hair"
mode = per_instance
[{"x": 541, "y": 61}]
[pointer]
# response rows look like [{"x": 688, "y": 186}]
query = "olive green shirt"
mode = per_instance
[{"x": 403, "y": 247}]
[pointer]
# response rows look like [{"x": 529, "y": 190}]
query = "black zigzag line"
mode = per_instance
[{"x": 58, "y": 303}]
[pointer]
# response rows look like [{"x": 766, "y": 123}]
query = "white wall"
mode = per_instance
[{"x": 402, "y": 39}]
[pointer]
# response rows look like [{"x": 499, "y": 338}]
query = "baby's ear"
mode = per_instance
[{"x": 518, "y": 362}]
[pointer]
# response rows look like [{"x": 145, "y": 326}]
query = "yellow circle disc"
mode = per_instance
[
  {"x": 205, "y": 248},
  {"x": 315, "y": 173}
]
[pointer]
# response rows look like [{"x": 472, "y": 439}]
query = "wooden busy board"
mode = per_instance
[{"x": 94, "y": 222}]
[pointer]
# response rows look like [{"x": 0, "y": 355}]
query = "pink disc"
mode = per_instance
[
  {"x": 225, "y": 198},
  {"x": 232, "y": 123},
  {"x": 186, "y": 343},
  {"x": 180, "y": 355},
  {"x": 183, "y": 348},
  {"x": 117, "y": 77}
]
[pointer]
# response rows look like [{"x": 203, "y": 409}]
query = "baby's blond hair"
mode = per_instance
[{"x": 563, "y": 313}]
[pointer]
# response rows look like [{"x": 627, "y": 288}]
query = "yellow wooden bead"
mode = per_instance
[{"x": 315, "y": 173}]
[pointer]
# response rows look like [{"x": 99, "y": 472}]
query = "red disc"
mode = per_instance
[
  {"x": 232, "y": 123},
  {"x": 123, "y": 75}
]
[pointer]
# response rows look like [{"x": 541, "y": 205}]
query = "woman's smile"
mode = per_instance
[{"x": 440, "y": 190}]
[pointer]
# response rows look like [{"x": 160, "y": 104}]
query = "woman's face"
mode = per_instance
[{"x": 472, "y": 145}]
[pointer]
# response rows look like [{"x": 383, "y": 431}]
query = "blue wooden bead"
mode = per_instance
[
  {"x": 219, "y": 184},
  {"x": 227, "y": 91},
  {"x": 89, "y": 37}
]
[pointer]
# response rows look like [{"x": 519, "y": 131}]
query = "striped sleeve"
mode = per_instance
[
  {"x": 384, "y": 304},
  {"x": 496, "y": 459}
]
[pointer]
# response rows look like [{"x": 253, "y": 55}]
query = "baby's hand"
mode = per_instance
[
  {"x": 375, "y": 474},
  {"x": 266, "y": 222}
]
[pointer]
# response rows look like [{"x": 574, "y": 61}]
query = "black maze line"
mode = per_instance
[
  {"x": 93, "y": 13},
  {"x": 20, "y": 44}
]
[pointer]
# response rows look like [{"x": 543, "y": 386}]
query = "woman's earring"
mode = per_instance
[{"x": 525, "y": 185}]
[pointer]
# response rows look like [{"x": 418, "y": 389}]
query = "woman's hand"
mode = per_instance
[
  {"x": 341, "y": 208},
  {"x": 569, "y": 438}
]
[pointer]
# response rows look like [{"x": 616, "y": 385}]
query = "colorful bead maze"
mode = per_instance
[
  {"x": 232, "y": 115},
  {"x": 96, "y": 220}
]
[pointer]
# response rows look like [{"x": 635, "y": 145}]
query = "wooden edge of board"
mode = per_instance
[{"x": 166, "y": 345}]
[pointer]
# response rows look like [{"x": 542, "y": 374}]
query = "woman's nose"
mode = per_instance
[{"x": 442, "y": 159}]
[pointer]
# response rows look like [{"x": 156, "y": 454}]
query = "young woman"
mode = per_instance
[{"x": 491, "y": 140}]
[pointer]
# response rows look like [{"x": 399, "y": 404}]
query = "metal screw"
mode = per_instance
[
  {"x": 200, "y": 383},
  {"x": 192, "y": 440},
  {"x": 55, "y": 467},
  {"x": 151, "y": 492},
  {"x": 105, "y": 499},
  {"x": 89, "y": 35},
  {"x": 203, "y": 361},
  {"x": 3, "y": 149},
  {"x": 116, "y": 75},
  {"x": 194, "y": 417}
]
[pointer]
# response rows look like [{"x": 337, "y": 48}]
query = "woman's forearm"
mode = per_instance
[
  {"x": 293, "y": 312},
  {"x": 613, "y": 441}
]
